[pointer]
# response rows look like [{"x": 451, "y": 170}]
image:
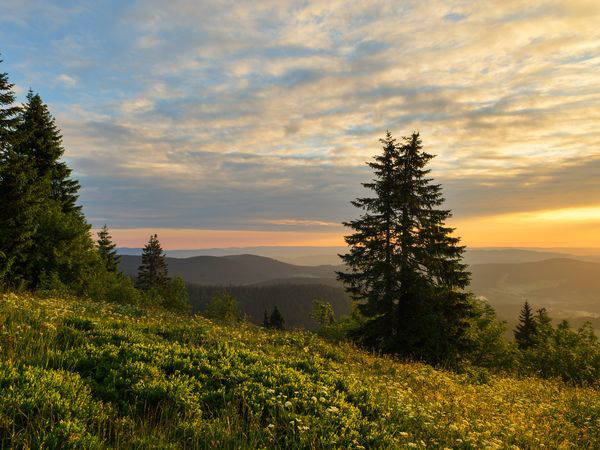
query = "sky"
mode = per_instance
[{"x": 243, "y": 123}]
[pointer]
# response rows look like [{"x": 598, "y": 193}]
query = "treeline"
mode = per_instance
[
  {"x": 294, "y": 302},
  {"x": 45, "y": 241}
]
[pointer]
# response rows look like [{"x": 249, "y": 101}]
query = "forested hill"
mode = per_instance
[
  {"x": 567, "y": 287},
  {"x": 232, "y": 270}
]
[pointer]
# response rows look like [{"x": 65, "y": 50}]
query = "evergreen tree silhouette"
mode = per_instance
[
  {"x": 106, "y": 249},
  {"x": 19, "y": 194},
  {"x": 152, "y": 272},
  {"x": 526, "y": 329},
  {"x": 276, "y": 320},
  {"x": 39, "y": 138},
  {"x": 405, "y": 265}
]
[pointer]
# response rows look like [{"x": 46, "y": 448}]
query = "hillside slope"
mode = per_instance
[
  {"x": 568, "y": 288},
  {"x": 76, "y": 374}
]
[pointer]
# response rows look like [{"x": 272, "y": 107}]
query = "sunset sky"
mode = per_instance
[{"x": 242, "y": 123}]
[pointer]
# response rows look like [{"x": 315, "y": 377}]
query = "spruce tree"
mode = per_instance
[
  {"x": 405, "y": 265},
  {"x": 18, "y": 191},
  {"x": 152, "y": 272},
  {"x": 106, "y": 249},
  {"x": 62, "y": 248},
  {"x": 39, "y": 138},
  {"x": 276, "y": 320},
  {"x": 526, "y": 329}
]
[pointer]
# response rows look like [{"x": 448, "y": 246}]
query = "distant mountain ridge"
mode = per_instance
[
  {"x": 233, "y": 269},
  {"x": 568, "y": 288},
  {"x": 314, "y": 256}
]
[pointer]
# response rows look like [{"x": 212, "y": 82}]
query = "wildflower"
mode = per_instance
[
  {"x": 314, "y": 399},
  {"x": 333, "y": 409},
  {"x": 288, "y": 404}
]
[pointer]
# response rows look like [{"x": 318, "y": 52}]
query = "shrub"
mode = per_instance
[
  {"x": 223, "y": 308},
  {"x": 561, "y": 352},
  {"x": 490, "y": 349}
]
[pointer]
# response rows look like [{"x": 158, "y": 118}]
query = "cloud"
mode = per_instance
[
  {"x": 253, "y": 114},
  {"x": 66, "y": 80}
]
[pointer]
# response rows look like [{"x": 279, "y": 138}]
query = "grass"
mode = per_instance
[{"x": 78, "y": 374}]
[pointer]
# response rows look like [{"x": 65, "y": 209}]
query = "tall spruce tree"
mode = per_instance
[
  {"x": 405, "y": 265},
  {"x": 39, "y": 138},
  {"x": 62, "y": 248},
  {"x": 526, "y": 329},
  {"x": 106, "y": 249},
  {"x": 153, "y": 272}
]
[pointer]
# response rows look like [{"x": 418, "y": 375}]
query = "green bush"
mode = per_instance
[
  {"x": 490, "y": 348},
  {"x": 561, "y": 352},
  {"x": 173, "y": 296},
  {"x": 223, "y": 308}
]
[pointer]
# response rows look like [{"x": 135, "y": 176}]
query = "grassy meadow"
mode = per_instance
[{"x": 80, "y": 374}]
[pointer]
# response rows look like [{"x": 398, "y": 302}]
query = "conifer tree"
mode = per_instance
[
  {"x": 39, "y": 138},
  {"x": 266, "y": 322},
  {"x": 19, "y": 195},
  {"x": 62, "y": 248},
  {"x": 106, "y": 249},
  {"x": 526, "y": 329},
  {"x": 405, "y": 265},
  {"x": 153, "y": 272},
  {"x": 276, "y": 320}
]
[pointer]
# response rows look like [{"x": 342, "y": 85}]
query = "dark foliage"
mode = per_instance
[
  {"x": 152, "y": 272},
  {"x": 526, "y": 328},
  {"x": 106, "y": 249},
  {"x": 18, "y": 215},
  {"x": 404, "y": 264},
  {"x": 276, "y": 320},
  {"x": 39, "y": 138},
  {"x": 8, "y": 112},
  {"x": 43, "y": 235},
  {"x": 295, "y": 302}
]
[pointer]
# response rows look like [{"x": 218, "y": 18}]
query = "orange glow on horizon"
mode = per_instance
[
  {"x": 181, "y": 239},
  {"x": 536, "y": 229}
]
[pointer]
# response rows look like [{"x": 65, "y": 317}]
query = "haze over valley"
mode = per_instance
[{"x": 567, "y": 284}]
